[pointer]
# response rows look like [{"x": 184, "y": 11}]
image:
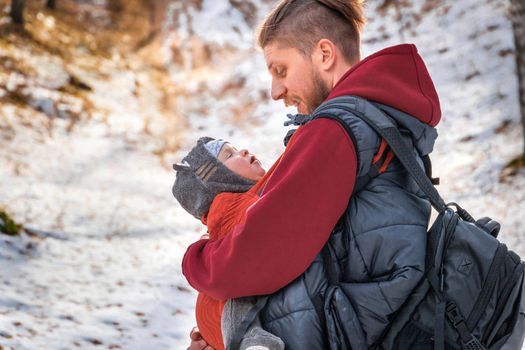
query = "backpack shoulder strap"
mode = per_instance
[
  {"x": 376, "y": 168},
  {"x": 388, "y": 130}
]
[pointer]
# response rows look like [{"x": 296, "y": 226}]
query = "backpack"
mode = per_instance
[{"x": 472, "y": 296}]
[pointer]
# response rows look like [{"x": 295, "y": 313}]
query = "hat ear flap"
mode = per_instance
[
  {"x": 205, "y": 140},
  {"x": 184, "y": 166}
]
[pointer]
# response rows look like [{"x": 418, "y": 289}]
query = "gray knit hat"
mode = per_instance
[
  {"x": 201, "y": 177},
  {"x": 215, "y": 146}
]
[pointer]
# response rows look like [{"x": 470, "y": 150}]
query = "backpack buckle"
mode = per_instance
[
  {"x": 468, "y": 341},
  {"x": 297, "y": 119},
  {"x": 454, "y": 315}
]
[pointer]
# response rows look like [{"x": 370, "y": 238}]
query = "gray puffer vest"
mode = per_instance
[{"x": 378, "y": 244}]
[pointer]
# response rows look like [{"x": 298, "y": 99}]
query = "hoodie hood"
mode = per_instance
[{"x": 396, "y": 77}]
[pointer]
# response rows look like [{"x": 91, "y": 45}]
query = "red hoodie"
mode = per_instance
[{"x": 309, "y": 189}]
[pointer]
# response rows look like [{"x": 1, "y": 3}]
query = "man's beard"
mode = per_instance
[{"x": 320, "y": 91}]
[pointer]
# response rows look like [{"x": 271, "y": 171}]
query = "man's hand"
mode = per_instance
[{"x": 197, "y": 343}]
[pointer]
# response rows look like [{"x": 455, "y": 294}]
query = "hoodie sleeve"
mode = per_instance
[{"x": 288, "y": 226}]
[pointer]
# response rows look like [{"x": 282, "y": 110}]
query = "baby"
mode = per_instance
[{"x": 217, "y": 183}]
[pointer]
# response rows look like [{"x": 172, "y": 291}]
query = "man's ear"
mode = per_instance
[{"x": 326, "y": 54}]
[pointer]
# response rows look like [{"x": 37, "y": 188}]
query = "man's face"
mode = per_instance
[
  {"x": 295, "y": 79},
  {"x": 241, "y": 162}
]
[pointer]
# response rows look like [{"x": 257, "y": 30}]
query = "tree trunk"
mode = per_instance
[
  {"x": 517, "y": 15},
  {"x": 17, "y": 11},
  {"x": 51, "y": 4}
]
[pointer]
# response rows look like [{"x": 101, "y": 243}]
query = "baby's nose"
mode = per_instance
[{"x": 244, "y": 152}]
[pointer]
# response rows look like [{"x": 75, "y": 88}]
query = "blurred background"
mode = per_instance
[{"x": 99, "y": 97}]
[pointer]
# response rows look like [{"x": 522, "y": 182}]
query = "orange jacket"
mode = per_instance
[{"x": 226, "y": 211}]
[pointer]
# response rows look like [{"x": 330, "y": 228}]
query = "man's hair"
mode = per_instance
[{"x": 302, "y": 23}]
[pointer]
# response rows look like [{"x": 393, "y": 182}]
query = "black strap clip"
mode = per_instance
[
  {"x": 297, "y": 119},
  {"x": 468, "y": 341},
  {"x": 454, "y": 315}
]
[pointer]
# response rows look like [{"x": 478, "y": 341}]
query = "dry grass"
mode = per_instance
[{"x": 86, "y": 37}]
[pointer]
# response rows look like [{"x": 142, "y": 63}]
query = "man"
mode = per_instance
[{"x": 312, "y": 52}]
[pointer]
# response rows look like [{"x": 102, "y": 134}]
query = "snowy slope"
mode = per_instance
[{"x": 109, "y": 276}]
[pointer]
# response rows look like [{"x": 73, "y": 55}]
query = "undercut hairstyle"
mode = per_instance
[{"x": 302, "y": 23}]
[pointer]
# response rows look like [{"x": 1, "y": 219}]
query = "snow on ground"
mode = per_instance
[{"x": 107, "y": 274}]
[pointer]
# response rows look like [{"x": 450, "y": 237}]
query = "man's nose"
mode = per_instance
[{"x": 278, "y": 90}]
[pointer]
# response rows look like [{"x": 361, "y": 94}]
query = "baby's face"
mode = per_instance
[{"x": 241, "y": 162}]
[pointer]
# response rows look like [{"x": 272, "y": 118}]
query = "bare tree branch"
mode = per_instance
[
  {"x": 517, "y": 15},
  {"x": 17, "y": 11}
]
